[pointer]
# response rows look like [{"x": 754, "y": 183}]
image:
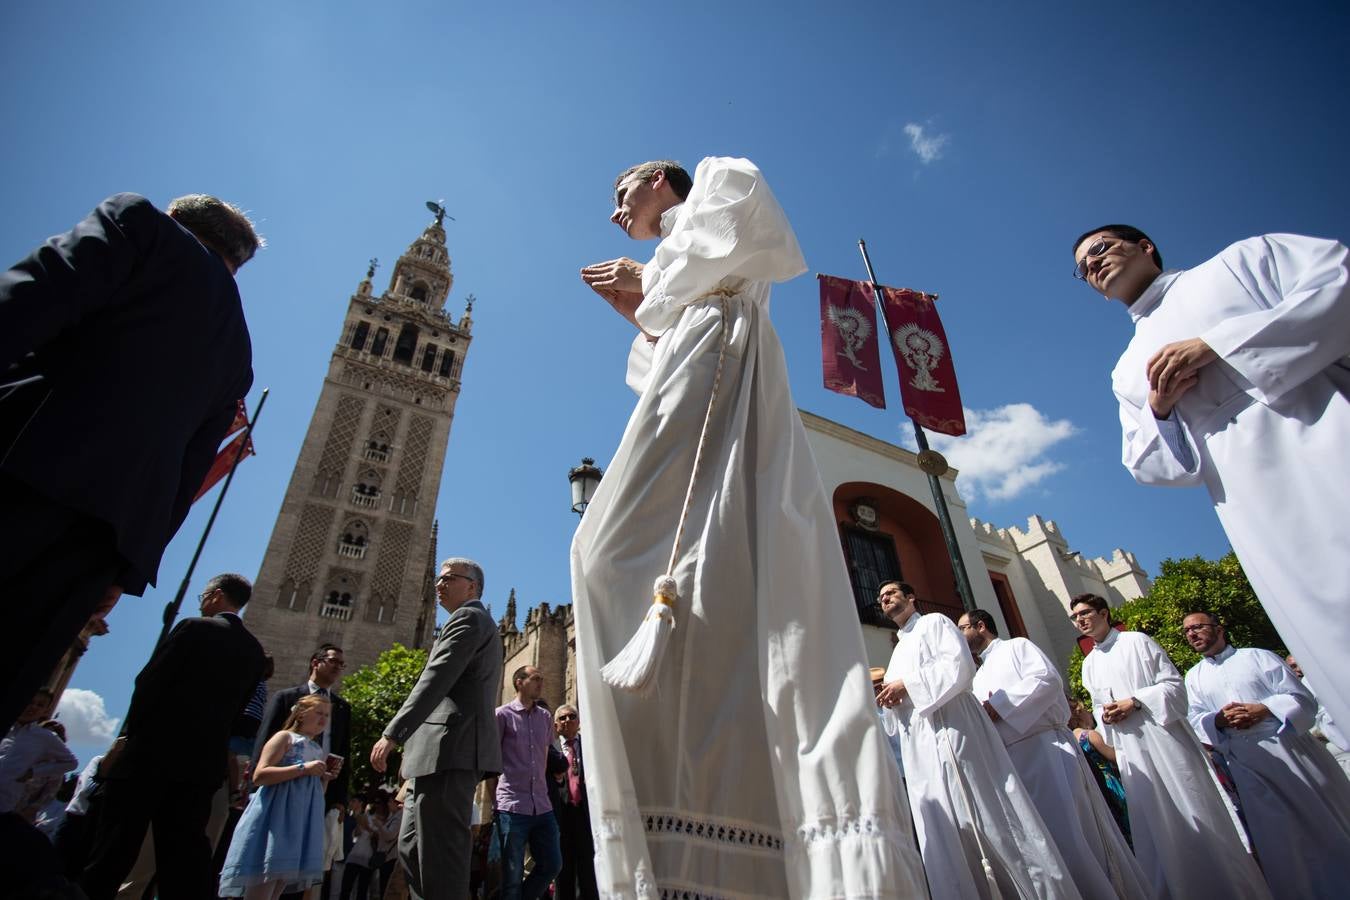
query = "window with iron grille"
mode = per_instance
[{"x": 871, "y": 561}]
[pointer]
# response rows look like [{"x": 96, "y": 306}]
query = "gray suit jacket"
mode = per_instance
[{"x": 449, "y": 721}]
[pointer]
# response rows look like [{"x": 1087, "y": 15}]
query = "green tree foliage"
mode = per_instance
[
  {"x": 1219, "y": 587},
  {"x": 375, "y": 693}
]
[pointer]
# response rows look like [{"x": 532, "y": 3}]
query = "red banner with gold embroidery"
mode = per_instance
[
  {"x": 850, "y": 354},
  {"x": 221, "y": 465},
  {"x": 923, "y": 357}
]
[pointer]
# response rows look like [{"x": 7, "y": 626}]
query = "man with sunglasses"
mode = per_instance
[
  {"x": 1238, "y": 378},
  {"x": 1251, "y": 707}
]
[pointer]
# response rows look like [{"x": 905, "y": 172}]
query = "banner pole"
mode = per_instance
[
  {"x": 939, "y": 499},
  {"x": 172, "y": 608}
]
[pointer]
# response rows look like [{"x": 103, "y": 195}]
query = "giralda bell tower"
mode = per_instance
[{"x": 352, "y": 556}]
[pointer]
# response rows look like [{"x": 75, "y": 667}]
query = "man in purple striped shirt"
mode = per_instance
[{"x": 524, "y": 812}]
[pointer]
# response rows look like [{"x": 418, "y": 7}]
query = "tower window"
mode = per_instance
[
  {"x": 381, "y": 338},
  {"x": 359, "y": 335},
  {"x": 429, "y": 357},
  {"x": 447, "y": 364},
  {"x": 407, "y": 343},
  {"x": 419, "y": 292}
]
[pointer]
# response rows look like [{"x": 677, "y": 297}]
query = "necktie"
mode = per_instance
[{"x": 574, "y": 771}]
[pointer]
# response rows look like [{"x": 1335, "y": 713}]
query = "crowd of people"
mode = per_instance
[{"x": 736, "y": 750}]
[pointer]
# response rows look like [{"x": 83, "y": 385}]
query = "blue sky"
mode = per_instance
[{"x": 968, "y": 142}]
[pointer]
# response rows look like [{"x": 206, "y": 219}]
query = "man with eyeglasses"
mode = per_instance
[
  {"x": 1252, "y": 708},
  {"x": 1238, "y": 378},
  {"x": 449, "y": 735},
  {"x": 1177, "y": 816},
  {"x": 1023, "y": 695},
  {"x": 326, "y": 664}
]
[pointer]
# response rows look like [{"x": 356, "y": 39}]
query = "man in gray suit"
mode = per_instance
[{"x": 449, "y": 732}]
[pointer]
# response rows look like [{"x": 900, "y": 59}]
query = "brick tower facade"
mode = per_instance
[{"x": 352, "y": 552}]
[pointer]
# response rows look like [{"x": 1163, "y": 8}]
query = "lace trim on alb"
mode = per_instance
[{"x": 835, "y": 830}]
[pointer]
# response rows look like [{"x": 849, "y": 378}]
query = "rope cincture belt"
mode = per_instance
[{"x": 632, "y": 669}]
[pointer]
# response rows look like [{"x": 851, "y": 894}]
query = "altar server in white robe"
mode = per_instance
[
  {"x": 1183, "y": 835},
  {"x": 1251, "y": 707},
  {"x": 1024, "y": 696},
  {"x": 979, "y": 832},
  {"x": 1237, "y": 378},
  {"x": 754, "y": 765}
]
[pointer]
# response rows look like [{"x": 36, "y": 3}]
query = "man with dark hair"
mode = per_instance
[
  {"x": 524, "y": 808},
  {"x": 1024, "y": 696},
  {"x": 326, "y": 664},
  {"x": 162, "y": 773},
  {"x": 1238, "y": 378},
  {"x": 754, "y": 676},
  {"x": 127, "y": 331},
  {"x": 450, "y": 737},
  {"x": 1250, "y": 707},
  {"x": 1176, "y": 813},
  {"x": 962, "y": 785}
]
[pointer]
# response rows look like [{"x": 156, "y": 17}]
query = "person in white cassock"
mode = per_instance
[
  {"x": 1024, "y": 697},
  {"x": 1237, "y": 378},
  {"x": 1325, "y": 729},
  {"x": 1183, "y": 835},
  {"x": 979, "y": 832},
  {"x": 748, "y": 760},
  {"x": 1251, "y": 707}
]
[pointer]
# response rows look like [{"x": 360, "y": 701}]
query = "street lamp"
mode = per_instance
[{"x": 584, "y": 479}]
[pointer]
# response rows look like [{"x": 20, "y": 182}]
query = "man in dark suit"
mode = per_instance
[
  {"x": 162, "y": 773},
  {"x": 576, "y": 878},
  {"x": 123, "y": 353},
  {"x": 325, "y": 669},
  {"x": 449, "y": 732}
]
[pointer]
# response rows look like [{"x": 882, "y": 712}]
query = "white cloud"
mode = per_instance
[
  {"x": 1003, "y": 452},
  {"x": 928, "y": 147},
  {"x": 85, "y": 717}
]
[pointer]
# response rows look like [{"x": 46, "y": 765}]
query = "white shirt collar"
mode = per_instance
[
  {"x": 989, "y": 648},
  {"x": 1153, "y": 294},
  {"x": 668, "y": 219}
]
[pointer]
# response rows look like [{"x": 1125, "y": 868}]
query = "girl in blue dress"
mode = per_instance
[{"x": 278, "y": 844}]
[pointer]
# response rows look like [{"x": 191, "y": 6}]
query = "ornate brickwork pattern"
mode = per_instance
[
  {"x": 310, "y": 538},
  {"x": 390, "y": 564},
  {"x": 338, "y": 449},
  {"x": 414, "y": 457}
]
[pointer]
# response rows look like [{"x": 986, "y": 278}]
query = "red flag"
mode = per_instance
[
  {"x": 927, "y": 375},
  {"x": 240, "y": 419},
  {"x": 225, "y": 458},
  {"x": 849, "y": 350}
]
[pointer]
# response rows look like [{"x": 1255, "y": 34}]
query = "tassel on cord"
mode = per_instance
[
  {"x": 635, "y": 665},
  {"x": 989, "y": 879}
]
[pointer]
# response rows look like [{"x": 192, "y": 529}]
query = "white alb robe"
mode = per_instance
[
  {"x": 756, "y": 766},
  {"x": 1266, "y": 427},
  {"x": 1296, "y": 799},
  {"x": 965, "y": 795},
  {"x": 1183, "y": 835},
  {"x": 1020, "y": 682}
]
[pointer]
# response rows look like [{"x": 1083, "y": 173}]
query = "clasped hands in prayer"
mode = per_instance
[
  {"x": 892, "y": 693},
  {"x": 1241, "y": 715},
  {"x": 1173, "y": 371},
  {"x": 619, "y": 281}
]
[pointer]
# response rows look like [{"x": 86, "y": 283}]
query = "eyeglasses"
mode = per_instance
[
  {"x": 448, "y": 575},
  {"x": 1083, "y": 616},
  {"x": 1191, "y": 629},
  {"x": 1097, "y": 248},
  {"x": 965, "y": 626},
  {"x": 567, "y": 717},
  {"x": 333, "y": 661}
]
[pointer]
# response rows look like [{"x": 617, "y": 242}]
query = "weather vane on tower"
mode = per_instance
[{"x": 438, "y": 207}]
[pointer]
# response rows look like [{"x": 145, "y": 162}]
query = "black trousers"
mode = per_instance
[
  {"x": 55, "y": 567},
  {"x": 177, "y": 812},
  {"x": 576, "y": 878}
]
